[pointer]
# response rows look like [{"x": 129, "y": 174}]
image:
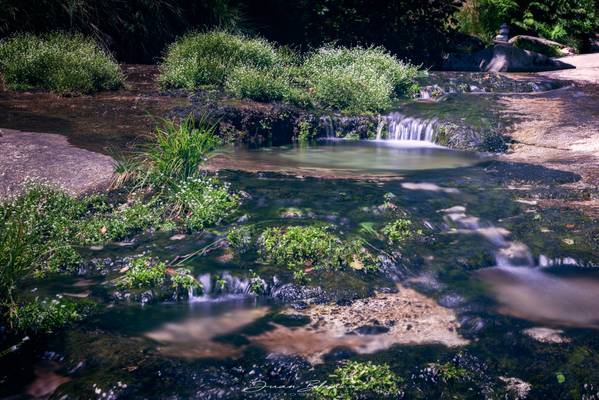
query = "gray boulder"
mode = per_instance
[{"x": 504, "y": 58}]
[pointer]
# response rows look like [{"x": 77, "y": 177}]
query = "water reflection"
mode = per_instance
[
  {"x": 352, "y": 158},
  {"x": 539, "y": 296}
]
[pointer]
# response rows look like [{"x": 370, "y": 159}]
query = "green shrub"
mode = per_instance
[
  {"x": 176, "y": 150},
  {"x": 298, "y": 247},
  {"x": 203, "y": 201},
  {"x": 357, "y": 79},
  {"x": 361, "y": 380},
  {"x": 182, "y": 279},
  {"x": 208, "y": 58},
  {"x": 144, "y": 273},
  {"x": 399, "y": 231},
  {"x": 60, "y": 62},
  {"x": 265, "y": 85},
  {"x": 45, "y": 316}
]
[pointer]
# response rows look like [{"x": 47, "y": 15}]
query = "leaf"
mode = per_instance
[
  {"x": 356, "y": 263},
  {"x": 103, "y": 230},
  {"x": 560, "y": 377},
  {"x": 368, "y": 227},
  {"x": 569, "y": 242}
]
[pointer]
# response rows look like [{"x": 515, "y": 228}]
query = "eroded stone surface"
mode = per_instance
[
  {"x": 546, "y": 335},
  {"x": 50, "y": 159},
  {"x": 406, "y": 317}
]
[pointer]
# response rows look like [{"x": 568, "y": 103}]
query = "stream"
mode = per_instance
[{"x": 498, "y": 287}]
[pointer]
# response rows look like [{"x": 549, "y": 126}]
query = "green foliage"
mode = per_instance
[
  {"x": 570, "y": 22},
  {"x": 349, "y": 79},
  {"x": 299, "y": 247},
  {"x": 358, "y": 79},
  {"x": 203, "y": 201},
  {"x": 44, "y": 316},
  {"x": 399, "y": 231},
  {"x": 361, "y": 380},
  {"x": 450, "y": 372},
  {"x": 60, "y": 62},
  {"x": 265, "y": 85},
  {"x": 144, "y": 273},
  {"x": 182, "y": 279},
  {"x": 208, "y": 58},
  {"x": 546, "y": 49},
  {"x": 177, "y": 150},
  {"x": 240, "y": 238}
]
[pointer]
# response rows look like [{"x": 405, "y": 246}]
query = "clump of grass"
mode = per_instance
[
  {"x": 357, "y": 79},
  {"x": 144, "y": 273},
  {"x": 361, "y": 380},
  {"x": 274, "y": 84},
  {"x": 311, "y": 247},
  {"x": 176, "y": 150},
  {"x": 60, "y": 62},
  {"x": 45, "y": 316},
  {"x": 203, "y": 201},
  {"x": 207, "y": 58},
  {"x": 400, "y": 230}
]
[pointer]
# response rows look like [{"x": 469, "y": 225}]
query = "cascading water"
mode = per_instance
[
  {"x": 225, "y": 286},
  {"x": 400, "y": 127}
]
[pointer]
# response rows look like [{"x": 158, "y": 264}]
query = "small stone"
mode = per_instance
[{"x": 180, "y": 236}]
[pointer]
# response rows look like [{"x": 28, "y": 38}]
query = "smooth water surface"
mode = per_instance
[{"x": 355, "y": 158}]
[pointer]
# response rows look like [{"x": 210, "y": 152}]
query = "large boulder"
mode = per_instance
[
  {"x": 504, "y": 58},
  {"x": 544, "y": 46}
]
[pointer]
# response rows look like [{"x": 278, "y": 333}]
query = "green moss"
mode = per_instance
[
  {"x": 46, "y": 316},
  {"x": 361, "y": 380},
  {"x": 144, "y": 273},
  {"x": 311, "y": 247},
  {"x": 399, "y": 231},
  {"x": 60, "y": 62}
]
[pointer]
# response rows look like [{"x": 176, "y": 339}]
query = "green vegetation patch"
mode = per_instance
[
  {"x": 361, "y": 380},
  {"x": 302, "y": 248},
  {"x": 358, "y": 79},
  {"x": 207, "y": 58},
  {"x": 400, "y": 230},
  {"x": 48, "y": 315},
  {"x": 60, "y": 62}
]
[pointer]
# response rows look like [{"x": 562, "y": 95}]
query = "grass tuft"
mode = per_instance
[{"x": 60, "y": 62}]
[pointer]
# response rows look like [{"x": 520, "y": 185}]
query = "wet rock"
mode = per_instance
[
  {"x": 292, "y": 293},
  {"x": 517, "y": 387},
  {"x": 504, "y": 58},
  {"x": 371, "y": 330},
  {"x": 546, "y": 335}
]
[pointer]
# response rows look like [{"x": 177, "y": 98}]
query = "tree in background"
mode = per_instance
[{"x": 571, "y": 22}]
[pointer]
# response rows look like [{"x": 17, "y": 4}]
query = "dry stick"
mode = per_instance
[{"x": 178, "y": 261}]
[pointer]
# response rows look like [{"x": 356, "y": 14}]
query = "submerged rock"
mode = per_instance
[
  {"x": 504, "y": 58},
  {"x": 546, "y": 335},
  {"x": 405, "y": 317}
]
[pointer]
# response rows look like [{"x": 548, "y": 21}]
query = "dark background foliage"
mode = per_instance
[{"x": 421, "y": 31}]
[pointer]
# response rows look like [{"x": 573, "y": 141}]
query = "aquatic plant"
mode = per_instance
[
  {"x": 176, "y": 150},
  {"x": 181, "y": 279},
  {"x": 361, "y": 380},
  {"x": 144, "y": 273},
  {"x": 400, "y": 230},
  {"x": 357, "y": 79},
  {"x": 60, "y": 62},
  {"x": 307, "y": 247},
  {"x": 203, "y": 201},
  {"x": 45, "y": 316},
  {"x": 208, "y": 58},
  {"x": 240, "y": 238}
]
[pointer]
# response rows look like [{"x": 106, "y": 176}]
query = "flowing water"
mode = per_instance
[{"x": 499, "y": 288}]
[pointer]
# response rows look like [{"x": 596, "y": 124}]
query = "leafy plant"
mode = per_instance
[
  {"x": 399, "y": 231},
  {"x": 144, "y": 273},
  {"x": 361, "y": 380},
  {"x": 300, "y": 247},
  {"x": 60, "y": 62},
  {"x": 182, "y": 279},
  {"x": 176, "y": 150},
  {"x": 45, "y": 316},
  {"x": 357, "y": 79},
  {"x": 208, "y": 58}
]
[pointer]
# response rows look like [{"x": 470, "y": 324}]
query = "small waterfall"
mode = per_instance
[
  {"x": 401, "y": 127},
  {"x": 221, "y": 287},
  {"x": 327, "y": 123}
]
